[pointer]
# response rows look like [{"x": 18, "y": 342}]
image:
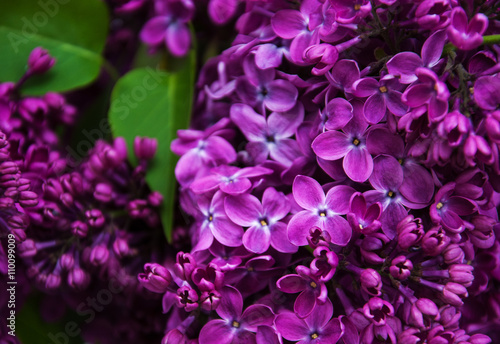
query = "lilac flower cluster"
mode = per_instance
[
  {"x": 81, "y": 226},
  {"x": 340, "y": 177}
]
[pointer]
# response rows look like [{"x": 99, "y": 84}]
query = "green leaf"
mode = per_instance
[
  {"x": 153, "y": 103},
  {"x": 74, "y": 32},
  {"x": 32, "y": 329}
]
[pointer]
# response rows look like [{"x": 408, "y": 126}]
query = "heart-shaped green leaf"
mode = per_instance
[
  {"x": 74, "y": 32},
  {"x": 153, "y": 103}
]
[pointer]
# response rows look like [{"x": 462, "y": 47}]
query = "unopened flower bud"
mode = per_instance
[
  {"x": 103, "y": 192},
  {"x": 155, "y": 278},
  {"x": 78, "y": 278},
  {"x": 145, "y": 147},
  {"x": 99, "y": 255},
  {"x": 453, "y": 293},
  {"x": 371, "y": 282},
  {"x": 462, "y": 273},
  {"x": 79, "y": 229},
  {"x": 40, "y": 61},
  {"x": 401, "y": 268},
  {"x": 95, "y": 218}
]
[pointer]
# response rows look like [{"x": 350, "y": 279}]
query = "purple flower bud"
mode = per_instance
[
  {"x": 103, "y": 192},
  {"x": 401, "y": 268},
  {"x": 53, "y": 281},
  {"x": 453, "y": 294},
  {"x": 187, "y": 298},
  {"x": 137, "y": 208},
  {"x": 6, "y": 202},
  {"x": 52, "y": 189},
  {"x": 19, "y": 234},
  {"x": 423, "y": 309},
  {"x": 145, "y": 147},
  {"x": 462, "y": 273},
  {"x": 120, "y": 247},
  {"x": 453, "y": 254},
  {"x": 210, "y": 300},
  {"x": 51, "y": 212},
  {"x": 72, "y": 183},
  {"x": 79, "y": 228},
  {"x": 185, "y": 265},
  {"x": 482, "y": 236},
  {"x": 28, "y": 198},
  {"x": 67, "y": 199},
  {"x": 435, "y": 241},
  {"x": 8, "y": 167},
  {"x": 155, "y": 278},
  {"x": 23, "y": 184},
  {"x": 67, "y": 261},
  {"x": 479, "y": 338},
  {"x": 99, "y": 255},
  {"x": 27, "y": 249},
  {"x": 40, "y": 61},
  {"x": 209, "y": 278},
  {"x": 371, "y": 282},
  {"x": 95, "y": 218},
  {"x": 410, "y": 232},
  {"x": 377, "y": 310},
  {"x": 78, "y": 278},
  {"x": 155, "y": 199},
  {"x": 318, "y": 237},
  {"x": 449, "y": 316}
]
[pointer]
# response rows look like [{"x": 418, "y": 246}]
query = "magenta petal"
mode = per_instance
[
  {"x": 178, "y": 39},
  {"x": 404, "y": 65},
  {"x": 299, "y": 225},
  {"x": 437, "y": 109},
  {"x": 390, "y": 218},
  {"x": 243, "y": 210},
  {"x": 236, "y": 187},
  {"x": 321, "y": 315},
  {"x": 288, "y": 23},
  {"x": 252, "y": 124},
  {"x": 452, "y": 221},
  {"x": 258, "y": 151},
  {"x": 365, "y": 87},
  {"x": 433, "y": 48},
  {"x": 231, "y": 304},
  {"x": 291, "y": 284},
  {"x": 339, "y": 112},
  {"x": 205, "y": 184},
  {"x": 220, "y": 11},
  {"x": 267, "y": 335},
  {"x": 226, "y": 232},
  {"x": 418, "y": 185},
  {"x": 282, "y": 96},
  {"x": 216, "y": 332},
  {"x": 307, "y": 192},
  {"x": 268, "y": 56},
  {"x": 305, "y": 302},
  {"x": 339, "y": 229},
  {"x": 285, "y": 151},
  {"x": 461, "y": 206},
  {"x": 395, "y": 104},
  {"x": 338, "y": 198},
  {"x": 154, "y": 31},
  {"x": 257, "y": 239},
  {"x": 387, "y": 173},
  {"x": 358, "y": 165},
  {"x": 256, "y": 76},
  {"x": 291, "y": 327},
  {"x": 331, "y": 145},
  {"x": 279, "y": 239},
  {"x": 275, "y": 204},
  {"x": 382, "y": 141},
  {"x": 417, "y": 95},
  {"x": 257, "y": 315},
  {"x": 374, "y": 108},
  {"x": 285, "y": 124}
]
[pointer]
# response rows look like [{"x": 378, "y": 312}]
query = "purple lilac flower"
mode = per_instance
[
  {"x": 349, "y": 145},
  {"x": 318, "y": 327},
  {"x": 169, "y": 26},
  {"x": 236, "y": 324},
  {"x": 269, "y": 137},
  {"x": 263, "y": 220},
  {"x": 463, "y": 34},
  {"x": 320, "y": 211}
]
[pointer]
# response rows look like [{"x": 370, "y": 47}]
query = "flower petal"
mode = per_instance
[
  {"x": 299, "y": 225},
  {"x": 291, "y": 327},
  {"x": 331, "y": 145},
  {"x": 216, "y": 332},
  {"x": 257, "y": 239},
  {"x": 231, "y": 304},
  {"x": 321, "y": 315},
  {"x": 358, "y": 165},
  {"x": 252, "y": 125},
  {"x": 307, "y": 192},
  {"x": 244, "y": 210},
  {"x": 281, "y": 96}
]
